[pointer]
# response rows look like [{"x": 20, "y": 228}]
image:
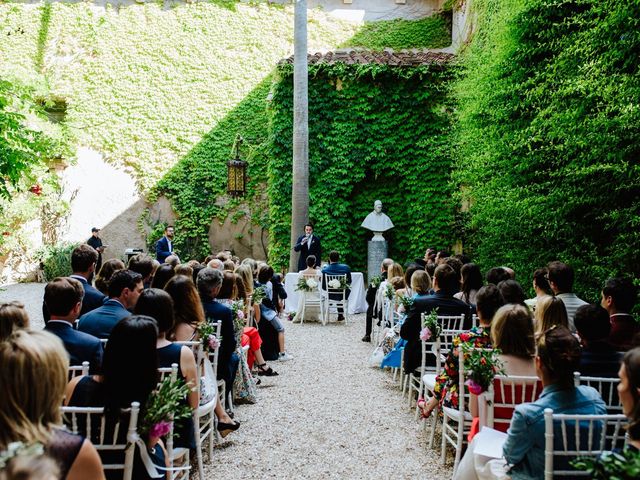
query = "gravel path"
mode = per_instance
[{"x": 327, "y": 415}]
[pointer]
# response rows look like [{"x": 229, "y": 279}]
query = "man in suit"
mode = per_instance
[
  {"x": 83, "y": 265},
  {"x": 96, "y": 242},
  {"x": 164, "y": 246},
  {"x": 307, "y": 244},
  {"x": 209, "y": 282},
  {"x": 63, "y": 297},
  {"x": 445, "y": 285},
  {"x": 619, "y": 296},
  {"x": 560, "y": 276},
  {"x": 336, "y": 268},
  {"x": 125, "y": 288}
]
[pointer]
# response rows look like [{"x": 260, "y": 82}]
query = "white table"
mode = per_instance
[{"x": 357, "y": 297}]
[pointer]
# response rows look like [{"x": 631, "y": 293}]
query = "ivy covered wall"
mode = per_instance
[
  {"x": 548, "y": 137},
  {"x": 375, "y": 132}
]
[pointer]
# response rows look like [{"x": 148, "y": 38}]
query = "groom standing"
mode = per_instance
[{"x": 308, "y": 244}]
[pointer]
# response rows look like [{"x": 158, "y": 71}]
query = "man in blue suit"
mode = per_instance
[
  {"x": 209, "y": 283},
  {"x": 83, "y": 265},
  {"x": 307, "y": 244},
  {"x": 63, "y": 297},
  {"x": 164, "y": 246},
  {"x": 336, "y": 268},
  {"x": 125, "y": 288}
]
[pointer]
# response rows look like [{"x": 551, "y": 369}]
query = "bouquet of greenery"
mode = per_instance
[
  {"x": 239, "y": 320},
  {"x": 480, "y": 366},
  {"x": 624, "y": 465},
  {"x": 390, "y": 292},
  {"x": 291, "y": 315},
  {"x": 431, "y": 329},
  {"x": 338, "y": 284},
  {"x": 164, "y": 406},
  {"x": 405, "y": 302},
  {"x": 259, "y": 293},
  {"x": 375, "y": 281},
  {"x": 306, "y": 284},
  {"x": 206, "y": 333}
]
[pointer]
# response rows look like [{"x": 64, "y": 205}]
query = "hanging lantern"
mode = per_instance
[{"x": 237, "y": 172}]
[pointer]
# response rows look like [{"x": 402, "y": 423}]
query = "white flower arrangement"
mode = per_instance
[
  {"x": 334, "y": 284},
  {"x": 311, "y": 283}
]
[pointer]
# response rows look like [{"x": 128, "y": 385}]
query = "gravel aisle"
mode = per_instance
[{"x": 327, "y": 415}]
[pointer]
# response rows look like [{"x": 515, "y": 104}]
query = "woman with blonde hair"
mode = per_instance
[
  {"x": 421, "y": 282},
  {"x": 13, "y": 316},
  {"x": 30, "y": 408},
  {"x": 550, "y": 311},
  {"x": 395, "y": 270}
]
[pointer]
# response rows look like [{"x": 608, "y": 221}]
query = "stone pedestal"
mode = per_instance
[{"x": 376, "y": 253}]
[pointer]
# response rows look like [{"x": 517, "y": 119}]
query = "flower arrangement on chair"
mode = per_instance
[
  {"x": 338, "y": 284},
  {"x": 306, "y": 284},
  {"x": 431, "y": 329},
  {"x": 390, "y": 292},
  {"x": 405, "y": 303},
  {"x": 239, "y": 320},
  {"x": 164, "y": 406},
  {"x": 480, "y": 367},
  {"x": 259, "y": 293},
  {"x": 375, "y": 281},
  {"x": 206, "y": 333}
]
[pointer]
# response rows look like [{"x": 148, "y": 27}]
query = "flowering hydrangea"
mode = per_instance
[
  {"x": 214, "y": 343},
  {"x": 311, "y": 283},
  {"x": 335, "y": 284},
  {"x": 425, "y": 334}
]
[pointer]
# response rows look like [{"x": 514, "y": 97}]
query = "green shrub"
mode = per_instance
[{"x": 56, "y": 260}]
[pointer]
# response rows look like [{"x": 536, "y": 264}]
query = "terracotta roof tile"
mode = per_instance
[{"x": 401, "y": 58}]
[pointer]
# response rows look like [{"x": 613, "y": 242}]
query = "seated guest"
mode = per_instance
[
  {"x": 279, "y": 293},
  {"x": 310, "y": 270},
  {"x": 13, "y": 317},
  {"x": 420, "y": 283},
  {"x": 629, "y": 393},
  {"x": 187, "y": 309},
  {"x": 408, "y": 275},
  {"x": 63, "y": 298},
  {"x": 162, "y": 275},
  {"x": 445, "y": 284},
  {"x": 268, "y": 312},
  {"x": 30, "y": 408},
  {"x": 28, "y": 465},
  {"x": 558, "y": 356},
  {"x": 144, "y": 265},
  {"x": 158, "y": 305},
  {"x": 550, "y": 312},
  {"x": 540, "y": 286},
  {"x": 598, "y": 358},
  {"x": 446, "y": 388},
  {"x": 456, "y": 264},
  {"x": 497, "y": 275},
  {"x": 619, "y": 296},
  {"x": 184, "y": 269},
  {"x": 172, "y": 260},
  {"x": 511, "y": 292},
  {"x": 124, "y": 289},
  {"x": 83, "y": 265},
  {"x": 560, "y": 278},
  {"x": 209, "y": 283},
  {"x": 471, "y": 283},
  {"x": 106, "y": 272},
  {"x": 336, "y": 268},
  {"x": 129, "y": 374}
]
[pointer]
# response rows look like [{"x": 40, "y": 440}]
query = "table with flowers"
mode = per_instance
[{"x": 357, "y": 298}]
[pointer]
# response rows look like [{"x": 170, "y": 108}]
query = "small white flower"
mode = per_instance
[
  {"x": 311, "y": 283},
  {"x": 335, "y": 283}
]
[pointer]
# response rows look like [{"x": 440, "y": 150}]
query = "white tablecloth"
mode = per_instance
[{"x": 357, "y": 297}]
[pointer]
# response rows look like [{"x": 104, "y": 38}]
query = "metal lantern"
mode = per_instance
[{"x": 237, "y": 172}]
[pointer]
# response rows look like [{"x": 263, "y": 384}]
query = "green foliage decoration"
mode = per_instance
[
  {"x": 375, "y": 132},
  {"x": 548, "y": 137},
  {"x": 429, "y": 32},
  {"x": 56, "y": 260}
]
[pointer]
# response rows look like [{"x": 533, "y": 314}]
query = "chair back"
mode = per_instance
[
  {"x": 108, "y": 436},
  {"x": 570, "y": 436},
  {"x": 446, "y": 340},
  {"x": 608, "y": 388},
  {"x": 335, "y": 291},
  {"x": 78, "y": 370},
  {"x": 504, "y": 394},
  {"x": 451, "y": 322}
]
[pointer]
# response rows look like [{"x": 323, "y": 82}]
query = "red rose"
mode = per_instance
[{"x": 36, "y": 189}]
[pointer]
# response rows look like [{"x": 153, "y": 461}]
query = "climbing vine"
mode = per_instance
[{"x": 375, "y": 132}]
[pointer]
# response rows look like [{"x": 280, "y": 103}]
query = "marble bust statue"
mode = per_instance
[{"x": 377, "y": 222}]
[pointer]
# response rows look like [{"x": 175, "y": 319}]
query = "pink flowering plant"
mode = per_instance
[
  {"x": 480, "y": 367},
  {"x": 431, "y": 329},
  {"x": 165, "y": 405},
  {"x": 206, "y": 333},
  {"x": 239, "y": 320}
]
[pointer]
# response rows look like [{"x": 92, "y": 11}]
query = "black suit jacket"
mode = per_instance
[
  {"x": 305, "y": 251},
  {"x": 81, "y": 346},
  {"x": 215, "y": 311},
  {"x": 162, "y": 249},
  {"x": 410, "y": 330}
]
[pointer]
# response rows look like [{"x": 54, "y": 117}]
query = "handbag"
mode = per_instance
[{"x": 208, "y": 383}]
